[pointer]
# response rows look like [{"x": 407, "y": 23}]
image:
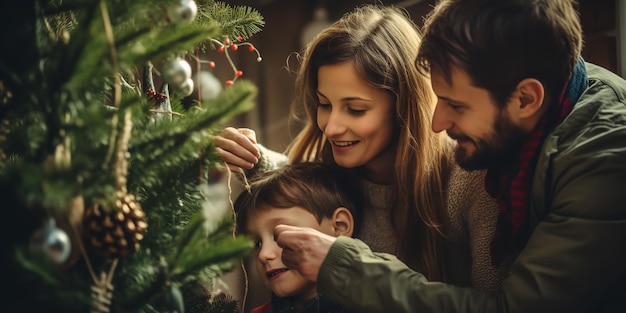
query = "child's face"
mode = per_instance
[{"x": 282, "y": 281}]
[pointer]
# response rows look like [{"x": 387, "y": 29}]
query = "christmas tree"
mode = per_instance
[{"x": 104, "y": 177}]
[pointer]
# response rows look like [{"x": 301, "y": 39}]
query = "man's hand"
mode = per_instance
[{"x": 304, "y": 249}]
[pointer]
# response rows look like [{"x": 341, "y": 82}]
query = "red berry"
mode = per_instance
[
  {"x": 251, "y": 48},
  {"x": 211, "y": 64},
  {"x": 229, "y": 82},
  {"x": 220, "y": 49},
  {"x": 227, "y": 41},
  {"x": 239, "y": 38},
  {"x": 234, "y": 47},
  {"x": 238, "y": 73}
]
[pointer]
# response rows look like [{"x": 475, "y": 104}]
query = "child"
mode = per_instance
[{"x": 305, "y": 195}]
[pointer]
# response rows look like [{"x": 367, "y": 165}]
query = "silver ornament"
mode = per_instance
[
  {"x": 176, "y": 71},
  {"x": 52, "y": 242},
  {"x": 184, "y": 11}
]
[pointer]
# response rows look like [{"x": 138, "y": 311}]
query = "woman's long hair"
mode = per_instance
[{"x": 383, "y": 42}]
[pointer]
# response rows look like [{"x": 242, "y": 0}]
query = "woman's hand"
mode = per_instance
[{"x": 237, "y": 147}]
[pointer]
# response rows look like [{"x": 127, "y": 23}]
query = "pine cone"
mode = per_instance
[{"x": 116, "y": 233}]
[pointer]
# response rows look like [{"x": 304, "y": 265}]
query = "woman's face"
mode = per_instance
[{"x": 356, "y": 118}]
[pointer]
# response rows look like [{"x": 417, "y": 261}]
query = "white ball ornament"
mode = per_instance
[
  {"x": 210, "y": 87},
  {"x": 185, "y": 89},
  {"x": 176, "y": 71},
  {"x": 184, "y": 11}
]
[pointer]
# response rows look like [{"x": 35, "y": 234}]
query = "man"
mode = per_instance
[{"x": 551, "y": 131}]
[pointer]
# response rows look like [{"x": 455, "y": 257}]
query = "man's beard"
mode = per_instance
[{"x": 501, "y": 146}]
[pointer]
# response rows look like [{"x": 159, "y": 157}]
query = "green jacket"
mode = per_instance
[{"x": 575, "y": 259}]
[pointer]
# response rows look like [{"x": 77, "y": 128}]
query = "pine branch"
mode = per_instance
[
  {"x": 238, "y": 21},
  {"x": 182, "y": 139},
  {"x": 57, "y": 78},
  {"x": 201, "y": 252}
]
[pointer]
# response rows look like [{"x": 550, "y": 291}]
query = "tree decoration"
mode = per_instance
[
  {"x": 186, "y": 88},
  {"x": 184, "y": 11},
  {"x": 163, "y": 107},
  {"x": 225, "y": 46},
  {"x": 115, "y": 232},
  {"x": 51, "y": 242},
  {"x": 72, "y": 73},
  {"x": 59, "y": 238},
  {"x": 102, "y": 291},
  {"x": 208, "y": 85},
  {"x": 176, "y": 71},
  {"x": 148, "y": 84}
]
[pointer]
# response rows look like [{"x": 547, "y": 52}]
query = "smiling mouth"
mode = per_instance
[
  {"x": 275, "y": 272},
  {"x": 344, "y": 143}
]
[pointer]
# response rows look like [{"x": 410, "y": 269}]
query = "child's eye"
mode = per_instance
[{"x": 257, "y": 245}]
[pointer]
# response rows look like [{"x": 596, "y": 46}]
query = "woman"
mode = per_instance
[{"x": 368, "y": 108}]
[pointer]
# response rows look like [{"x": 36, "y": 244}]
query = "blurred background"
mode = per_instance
[{"x": 290, "y": 24}]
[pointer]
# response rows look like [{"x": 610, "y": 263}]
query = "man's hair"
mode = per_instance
[
  {"x": 501, "y": 42},
  {"x": 316, "y": 187}
]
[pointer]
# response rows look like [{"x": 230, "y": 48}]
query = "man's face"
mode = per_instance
[{"x": 485, "y": 133}]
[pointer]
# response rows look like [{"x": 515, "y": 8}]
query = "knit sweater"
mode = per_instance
[
  {"x": 375, "y": 229},
  {"x": 472, "y": 213}
]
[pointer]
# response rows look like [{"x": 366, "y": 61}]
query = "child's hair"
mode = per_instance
[{"x": 316, "y": 187}]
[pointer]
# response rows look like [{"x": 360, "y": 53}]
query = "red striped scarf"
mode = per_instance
[{"x": 510, "y": 185}]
